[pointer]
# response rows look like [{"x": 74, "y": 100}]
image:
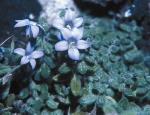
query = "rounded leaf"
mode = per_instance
[
  {"x": 75, "y": 86},
  {"x": 82, "y": 44}
]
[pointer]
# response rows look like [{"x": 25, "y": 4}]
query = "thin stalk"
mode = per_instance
[{"x": 6, "y": 40}]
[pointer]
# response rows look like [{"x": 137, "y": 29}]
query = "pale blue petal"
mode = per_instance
[
  {"x": 37, "y": 54},
  {"x": 74, "y": 53},
  {"x": 61, "y": 46},
  {"x": 19, "y": 51},
  {"x": 33, "y": 63},
  {"x": 21, "y": 23},
  {"x": 24, "y": 60},
  {"x": 66, "y": 33},
  {"x": 35, "y": 31},
  {"x": 59, "y": 36},
  {"x": 82, "y": 44},
  {"x": 69, "y": 15},
  {"x": 77, "y": 33},
  {"x": 28, "y": 31},
  {"x": 29, "y": 48},
  {"x": 58, "y": 23},
  {"x": 78, "y": 22}
]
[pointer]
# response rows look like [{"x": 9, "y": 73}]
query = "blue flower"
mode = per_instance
[
  {"x": 32, "y": 28},
  {"x": 29, "y": 55},
  {"x": 72, "y": 42},
  {"x": 70, "y": 20}
]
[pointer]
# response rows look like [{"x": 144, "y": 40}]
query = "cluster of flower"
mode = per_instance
[{"x": 70, "y": 36}]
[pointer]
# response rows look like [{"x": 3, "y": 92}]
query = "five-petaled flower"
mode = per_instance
[
  {"x": 72, "y": 42},
  {"x": 29, "y": 55},
  {"x": 32, "y": 28},
  {"x": 70, "y": 20}
]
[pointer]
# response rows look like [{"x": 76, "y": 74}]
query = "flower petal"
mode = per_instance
[
  {"x": 33, "y": 63},
  {"x": 74, "y": 53},
  {"x": 82, "y": 44},
  {"x": 59, "y": 35},
  {"x": 69, "y": 15},
  {"x": 24, "y": 60},
  {"x": 78, "y": 22},
  {"x": 77, "y": 33},
  {"x": 58, "y": 23},
  {"x": 35, "y": 30},
  {"x": 61, "y": 46},
  {"x": 19, "y": 51},
  {"x": 66, "y": 33},
  {"x": 21, "y": 23},
  {"x": 29, "y": 48},
  {"x": 37, "y": 54},
  {"x": 28, "y": 31}
]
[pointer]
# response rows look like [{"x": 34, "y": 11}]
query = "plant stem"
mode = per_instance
[{"x": 6, "y": 40}]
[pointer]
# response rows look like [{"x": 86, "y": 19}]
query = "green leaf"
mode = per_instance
[
  {"x": 44, "y": 91},
  {"x": 130, "y": 112},
  {"x": 75, "y": 86},
  {"x": 36, "y": 104},
  {"x": 45, "y": 112},
  {"x": 10, "y": 99},
  {"x": 57, "y": 112},
  {"x": 52, "y": 104},
  {"x": 4, "y": 69},
  {"x": 100, "y": 101},
  {"x": 24, "y": 93},
  {"x": 82, "y": 68},
  {"x": 124, "y": 103},
  {"x": 88, "y": 99},
  {"x": 5, "y": 92},
  {"x": 63, "y": 69},
  {"x": 49, "y": 61},
  {"x": 45, "y": 71},
  {"x": 109, "y": 110},
  {"x": 79, "y": 113}
]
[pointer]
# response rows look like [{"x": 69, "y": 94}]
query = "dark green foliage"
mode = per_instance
[{"x": 111, "y": 75}]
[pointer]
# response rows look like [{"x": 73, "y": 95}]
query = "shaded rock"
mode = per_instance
[{"x": 103, "y": 2}]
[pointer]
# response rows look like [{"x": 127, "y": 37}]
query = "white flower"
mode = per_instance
[
  {"x": 72, "y": 42},
  {"x": 32, "y": 28},
  {"x": 70, "y": 20},
  {"x": 29, "y": 55},
  {"x": 127, "y": 13}
]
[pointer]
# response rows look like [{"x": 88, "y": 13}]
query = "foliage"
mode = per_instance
[{"x": 110, "y": 78}]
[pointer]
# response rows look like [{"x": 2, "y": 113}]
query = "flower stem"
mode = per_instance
[{"x": 6, "y": 40}]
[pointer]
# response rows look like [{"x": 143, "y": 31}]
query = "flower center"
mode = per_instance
[
  {"x": 69, "y": 24},
  {"x": 28, "y": 57},
  {"x": 72, "y": 42}
]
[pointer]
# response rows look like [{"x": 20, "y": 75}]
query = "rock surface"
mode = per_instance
[
  {"x": 51, "y": 8},
  {"x": 103, "y": 2}
]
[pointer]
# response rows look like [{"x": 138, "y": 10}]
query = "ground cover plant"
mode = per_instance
[{"x": 80, "y": 66}]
